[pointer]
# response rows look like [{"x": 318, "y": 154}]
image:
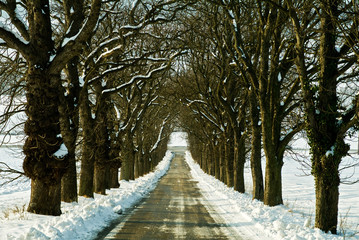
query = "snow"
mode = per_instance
[
  {"x": 330, "y": 152},
  {"x": 178, "y": 139},
  {"x": 62, "y": 152},
  {"x": 82, "y": 220},
  {"x": 136, "y": 78},
  {"x": 249, "y": 218},
  {"x": 293, "y": 220},
  {"x": 159, "y": 138}
]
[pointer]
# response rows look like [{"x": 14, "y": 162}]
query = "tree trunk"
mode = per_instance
[
  {"x": 127, "y": 169},
  {"x": 274, "y": 163},
  {"x": 69, "y": 122},
  {"x": 256, "y": 155},
  {"x": 88, "y": 146},
  {"x": 327, "y": 147},
  {"x": 229, "y": 158},
  {"x": 145, "y": 164},
  {"x": 69, "y": 181},
  {"x": 113, "y": 182},
  {"x": 115, "y": 162},
  {"x": 141, "y": 160},
  {"x": 42, "y": 164},
  {"x": 100, "y": 178},
  {"x": 274, "y": 157},
  {"x": 222, "y": 162},
  {"x": 240, "y": 160},
  {"x": 45, "y": 197},
  {"x": 137, "y": 165},
  {"x": 102, "y": 142},
  {"x": 132, "y": 155},
  {"x": 204, "y": 159},
  {"x": 327, "y": 195},
  {"x": 216, "y": 161},
  {"x": 273, "y": 182},
  {"x": 211, "y": 157}
]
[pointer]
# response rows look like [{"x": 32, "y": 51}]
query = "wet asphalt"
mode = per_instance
[{"x": 174, "y": 210}]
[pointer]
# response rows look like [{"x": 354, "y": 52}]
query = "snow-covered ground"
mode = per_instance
[
  {"x": 293, "y": 220},
  {"x": 82, "y": 220}
]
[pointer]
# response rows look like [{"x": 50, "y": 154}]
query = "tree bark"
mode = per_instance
[
  {"x": 240, "y": 160},
  {"x": 222, "y": 162},
  {"x": 41, "y": 164},
  {"x": 115, "y": 162},
  {"x": 137, "y": 165},
  {"x": 327, "y": 147},
  {"x": 43, "y": 141},
  {"x": 229, "y": 157},
  {"x": 127, "y": 169},
  {"x": 69, "y": 122},
  {"x": 69, "y": 181},
  {"x": 102, "y": 142},
  {"x": 45, "y": 197},
  {"x": 327, "y": 194},
  {"x": 113, "y": 183},
  {"x": 88, "y": 146},
  {"x": 216, "y": 157},
  {"x": 256, "y": 155},
  {"x": 273, "y": 181}
]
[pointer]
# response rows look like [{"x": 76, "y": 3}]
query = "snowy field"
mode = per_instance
[{"x": 293, "y": 220}]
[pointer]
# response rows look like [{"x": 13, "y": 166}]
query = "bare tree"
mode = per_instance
[
  {"x": 263, "y": 55},
  {"x": 328, "y": 118},
  {"x": 31, "y": 34}
]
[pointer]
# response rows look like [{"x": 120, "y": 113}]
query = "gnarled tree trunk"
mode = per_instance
[{"x": 42, "y": 163}]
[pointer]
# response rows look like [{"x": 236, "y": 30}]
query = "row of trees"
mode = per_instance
[
  {"x": 93, "y": 76},
  {"x": 249, "y": 76},
  {"x": 258, "y": 73}
]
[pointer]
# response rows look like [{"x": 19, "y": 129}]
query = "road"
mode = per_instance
[{"x": 174, "y": 210}]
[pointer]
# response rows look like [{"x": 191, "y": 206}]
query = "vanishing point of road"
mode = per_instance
[{"x": 176, "y": 209}]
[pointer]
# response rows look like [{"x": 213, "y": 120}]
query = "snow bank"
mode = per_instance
[
  {"x": 251, "y": 218},
  {"x": 82, "y": 220}
]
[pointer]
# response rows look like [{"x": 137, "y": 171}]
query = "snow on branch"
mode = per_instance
[
  {"x": 159, "y": 138},
  {"x": 136, "y": 78},
  {"x": 17, "y": 13},
  {"x": 104, "y": 45},
  {"x": 118, "y": 113},
  {"x": 208, "y": 118},
  {"x": 14, "y": 40},
  {"x": 108, "y": 71},
  {"x": 190, "y": 102}
]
